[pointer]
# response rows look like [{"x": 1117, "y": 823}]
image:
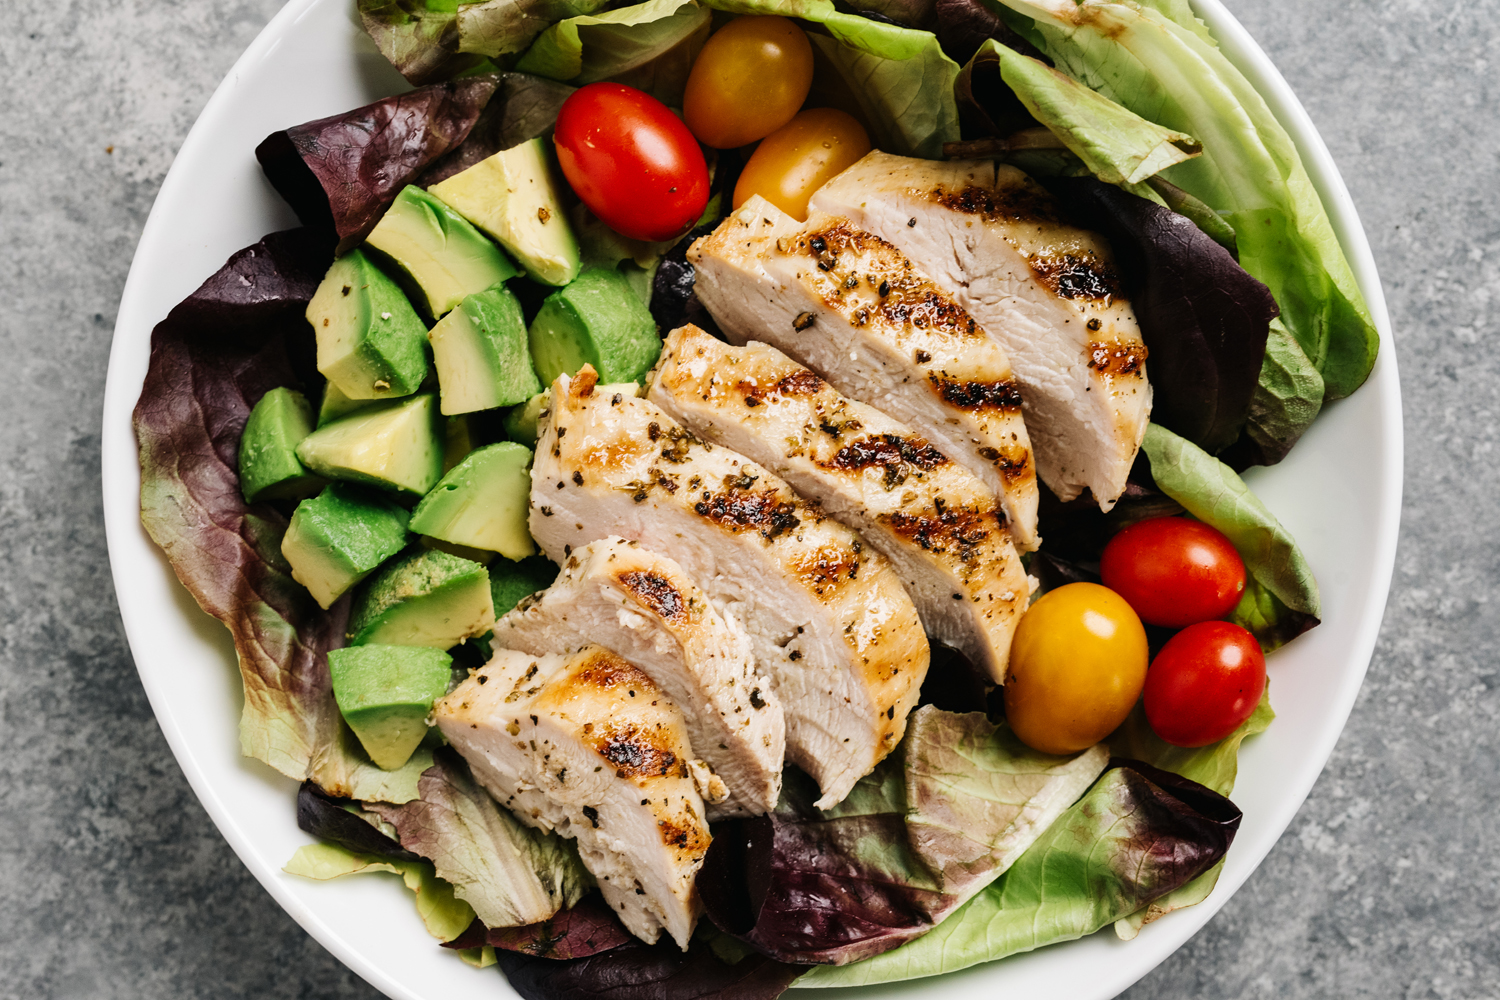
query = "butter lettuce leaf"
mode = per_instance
[
  {"x": 1288, "y": 396},
  {"x": 937, "y": 821},
  {"x": 1215, "y": 766},
  {"x": 419, "y": 37},
  {"x": 900, "y": 78},
  {"x": 1155, "y": 61},
  {"x": 649, "y": 46},
  {"x": 1117, "y": 145},
  {"x": 502, "y": 27},
  {"x": 444, "y": 915},
  {"x": 509, "y": 873},
  {"x": 1137, "y": 835}
]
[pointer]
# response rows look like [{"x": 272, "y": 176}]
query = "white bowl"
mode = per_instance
[{"x": 1339, "y": 493}]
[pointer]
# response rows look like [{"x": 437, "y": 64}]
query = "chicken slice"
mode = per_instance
[
  {"x": 992, "y": 238},
  {"x": 848, "y": 305},
  {"x": 644, "y": 607},
  {"x": 827, "y": 617},
  {"x": 586, "y": 744},
  {"x": 941, "y": 528}
]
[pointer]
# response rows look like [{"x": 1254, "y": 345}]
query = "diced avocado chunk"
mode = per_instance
[
  {"x": 396, "y": 446},
  {"x": 339, "y": 536},
  {"x": 371, "y": 344},
  {"x": 483, "y": 502},
  {"x": 481, "y": 354},
  {"x": 458, "y": 441},
  {"x": 596, "y": 320},
  {"x": 335, "y": 404},
  {"x": 386, "y": 693},
  {"x": 513, "y": 196},
  {"x": 482, "y": 556},
  {"x": 445, "y": 257},
  {"x": 521, "y": 421},
  {"x": 423, "y": 598},
  {"x": 512, "y": 581},
  {"x": 269, "y": 469}
]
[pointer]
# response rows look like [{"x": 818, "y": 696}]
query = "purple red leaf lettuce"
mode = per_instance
[
  {"x": 341, "y": 173},
  {"x": 212, "y": 359},
  {"x": 242, "y": 333},
  {"x": 586, "y": 928},
  {"x": 637, "y": 971},
  {"x": 332, "y": 819}
]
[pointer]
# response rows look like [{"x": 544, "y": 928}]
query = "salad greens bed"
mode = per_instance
[{"x": 964, "y": 845}]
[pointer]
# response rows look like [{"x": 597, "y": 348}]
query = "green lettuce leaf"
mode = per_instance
[
  {"x": 932, "y": 825},
  {"x": 500, "y": 27},
  {"x": 976, "y": 796},
  {"x": 1160, "y": 64},
  {"x": 1287, "y": 398},
  {"x": 1214, "y": 766},
  {"x": 1210, "y": 491},
  {"x": 1117, "y": 145},
  {"x": 900, "y": 78},
  {"x": 509, "y": 873},
  {"x": 650, "y": 46},
  {"x": 445, "y": 915},
  {"x": 341, "y": 767},
  {"x": 1102, "y": 860},
  {"x": 419, "y": 37}
]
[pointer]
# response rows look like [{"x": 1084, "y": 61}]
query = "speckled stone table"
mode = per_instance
[{"x": 114, "y": 884}]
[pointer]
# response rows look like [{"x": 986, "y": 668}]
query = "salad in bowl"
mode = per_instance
[{"x": 726, "y": 496}]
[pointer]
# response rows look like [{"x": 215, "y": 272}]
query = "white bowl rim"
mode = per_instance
[{"x": 121, "y": 484}]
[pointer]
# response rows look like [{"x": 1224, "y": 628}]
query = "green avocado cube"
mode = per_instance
[
  {"x": 371, "y": 343},
  {"x": 335, "y": 404},
  {"x": 269, "y": 469},
  {"x": 386, "y": 693},
  {"x": 339, "y": 536},
  {"x": 521, "y": 422},
  {"x": 596, "y": 320},
  {"x": 441, "y": 253},
  {"x": 423, "y": 598},
  {"x": 515, "y": 197},
  {"x": 483, "y": 502},
  {"x": 510, "y": 582},
  {"x": 395, "y": 446},
  {"x": 458, "y": 441},
  {"x": 481, "y": 354}
]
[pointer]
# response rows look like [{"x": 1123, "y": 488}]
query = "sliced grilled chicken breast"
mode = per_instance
[
  {"x": 827, "y": 617},
  {"x": 644, "y": 607},
  {"x": 943, "y": 531},
  {"x": 992, "y": 238},
  {"x": 848, "y": 305},
  {"x": 586, "y": 744}
]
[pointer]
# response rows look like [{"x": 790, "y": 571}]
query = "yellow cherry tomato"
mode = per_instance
[
  {"x": 800, "y": 157},
  {"x": 748, "y": 81},
  {"x": 1077, "y": 665}
]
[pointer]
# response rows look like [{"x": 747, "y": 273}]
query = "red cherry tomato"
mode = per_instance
[
  {"x": 633, "y": 162},
  {"x": 1206, "y": 680},
  {"x": 1174, "y": 571}
]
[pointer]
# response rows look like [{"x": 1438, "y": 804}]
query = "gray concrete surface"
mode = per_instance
[{"x": 113, "y": 882}]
